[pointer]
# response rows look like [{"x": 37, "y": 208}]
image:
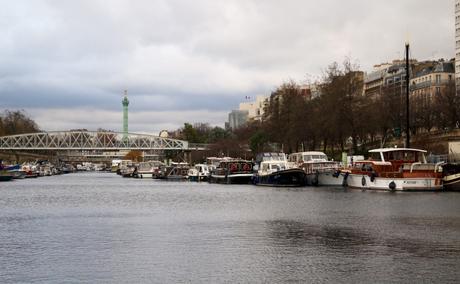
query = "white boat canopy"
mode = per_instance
[{"x": 385, "y": 150}]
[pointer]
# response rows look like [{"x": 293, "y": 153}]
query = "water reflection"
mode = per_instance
[
  {"x": 303, "y": 234},
  {"x": 354, "y": 241}
]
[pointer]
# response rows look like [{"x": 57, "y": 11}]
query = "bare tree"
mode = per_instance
[{"x": 17, "y": 122}]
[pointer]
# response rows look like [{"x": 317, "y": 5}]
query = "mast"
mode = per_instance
[{"x": 407, "y": 97}]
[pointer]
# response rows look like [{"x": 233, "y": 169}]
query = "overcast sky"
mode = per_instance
[{"x": 67, "y": 62}]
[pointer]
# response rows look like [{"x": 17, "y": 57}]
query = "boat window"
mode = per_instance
[
  {"x": 319, "y": 157},
  {"x": 358, "y": 166},
  {"x": 376, "y": 157},
  {"x": 275, "y": 167},
  {"x": 307, "y": 158},
  {"x": 404, "y": 156},
  {"x": 366, "y": 167},
  {"x": 294, "y": 158},
  {"x": 264, "y": 167}
]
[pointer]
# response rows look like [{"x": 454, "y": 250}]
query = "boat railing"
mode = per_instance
[
  {"x": 438, "y": 167},
  {"x": 414, "y": 165},
  {"x": 419, "y": 166},
  {"x": 439, "y": 158},
  {"x": 320, "y": 167}
]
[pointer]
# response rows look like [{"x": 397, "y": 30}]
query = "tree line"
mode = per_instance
[{"x": 341, "y": 119}]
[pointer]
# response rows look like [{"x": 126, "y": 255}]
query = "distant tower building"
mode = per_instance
[
  {"x": 237, "y": 118},
  {"x": 457, "y": 44},
  {"x": 125, "y": 103}
]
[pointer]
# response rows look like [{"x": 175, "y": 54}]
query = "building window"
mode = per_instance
[{"x": 438, "y": 79}]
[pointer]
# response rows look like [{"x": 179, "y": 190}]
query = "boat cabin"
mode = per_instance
[
  {"x": 395, "y": 163},
  {"x": 281, "y": 157},
  {"x": 268, "y": 163},
  {"x": 199, "y": 170},
  {"x": 312, "y": 162},
  {"x": 307, "y": 157},
  {"x": 268, "y": 167},
  {"x": 402, "y": 155},
  {"x": 234, "y": 166}
]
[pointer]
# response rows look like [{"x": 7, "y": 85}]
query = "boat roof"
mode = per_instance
[
  {"x": 310, "y": 153},
  {"x": 236, "y": 161},
  {"x": 273, "y": 162},
  {"x": 385, "y": 150},
  {"x": 272, "y": 154}
]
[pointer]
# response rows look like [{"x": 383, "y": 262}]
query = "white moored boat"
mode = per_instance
[
  {"x": 396, "y": 169},
  {"x": 199, "y": 172},
  {"x": 273, "y": 169},
  {"x": 318, "y": 169},
  {"x": 147, "y": 169}
]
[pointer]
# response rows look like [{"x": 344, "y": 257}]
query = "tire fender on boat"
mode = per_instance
[
  {"x": 345, "y": 178},
  {"x": 373, "y": 176},
  {"x": 392, "y": 186},
  {"x": 336, "y": 174},
  {"x": 315, "y": 179},
  {"x": 233, "y": 167},
  {"x": 246, "y": 167},
  {"x": 363, "y": 181}
]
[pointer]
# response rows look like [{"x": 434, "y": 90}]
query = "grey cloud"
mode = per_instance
[
  {"x": 141, "y": 121},
  {"x": 198, "y": 55}
]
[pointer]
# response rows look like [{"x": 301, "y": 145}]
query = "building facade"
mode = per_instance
[
  {"x": 310, "y": 91},
  {"x": 431, "y": 81},
  {"x": 390, "y": 78},
  {"x": 255, "y": 109},
  {"x": 373, "y": 81}
]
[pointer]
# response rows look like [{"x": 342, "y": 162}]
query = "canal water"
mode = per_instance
[{"x": 99, "y": 227}]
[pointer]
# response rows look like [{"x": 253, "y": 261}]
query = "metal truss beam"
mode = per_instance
[{"x": 89, "y": 140}]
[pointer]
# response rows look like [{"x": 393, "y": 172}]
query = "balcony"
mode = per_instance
[{"x": 427, "y": 84}]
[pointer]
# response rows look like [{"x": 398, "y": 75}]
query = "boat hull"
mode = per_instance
[
  {"x": 394, "y": 184},
  {"x": 245, "y": 178},
  {"x": 325, "y": 179},
  {"x": 451, "y": 176},
  {"x": 452, "y": 182},
  {"x": 143, "y": 175},
  {"x": 18, "y": 174},
  {"x": 173, "y": 177},
  {"x": 6, "y": 177},
  {"x": 284, "y": 178},
  {"x": 198, "y": 178},
  {"x": 31, "y": 175}
]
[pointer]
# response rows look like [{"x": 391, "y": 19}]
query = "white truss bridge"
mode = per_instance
[{"x": 90, "y": 140}]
